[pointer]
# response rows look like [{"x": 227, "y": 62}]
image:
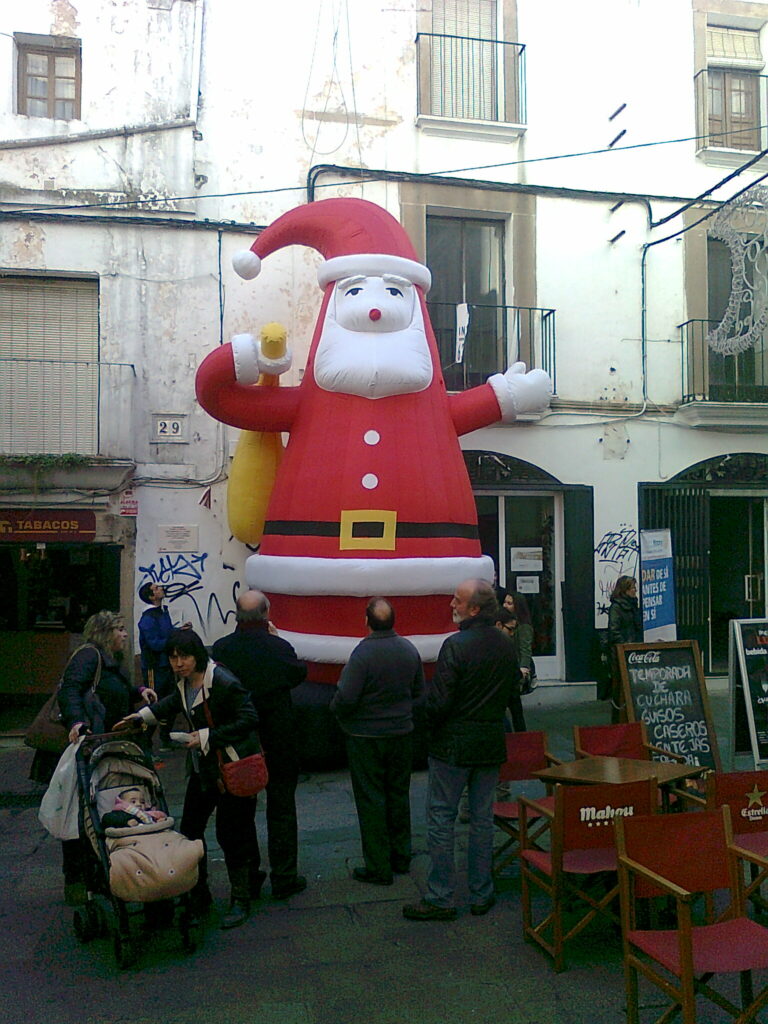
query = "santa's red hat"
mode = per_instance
[{"x": 354, "y": 236}]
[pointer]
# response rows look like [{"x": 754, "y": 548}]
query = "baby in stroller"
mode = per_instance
[
  {"x": 127, "y": 817},
  {"x": 131, "y": 809}
]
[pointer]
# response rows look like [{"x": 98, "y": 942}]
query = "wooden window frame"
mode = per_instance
[
  {"x": 729, "y": 131},
  {"x": 49, "y": 47}
]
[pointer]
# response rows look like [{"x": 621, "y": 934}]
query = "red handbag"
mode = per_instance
[{"x": 245, "y": 776}]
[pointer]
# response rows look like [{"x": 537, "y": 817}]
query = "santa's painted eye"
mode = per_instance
[
  {"x": 353, "y": 291},
  {"x": 395, "y": 291}
]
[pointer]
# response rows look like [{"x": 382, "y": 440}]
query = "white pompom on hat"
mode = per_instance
[{"x": 354, "y": 236}]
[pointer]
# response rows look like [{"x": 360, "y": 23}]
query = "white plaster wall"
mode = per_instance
[{"x": 276, "y": 98}]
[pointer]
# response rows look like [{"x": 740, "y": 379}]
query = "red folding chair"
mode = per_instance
[
  {"x": 526, "y": 753},
  {"x": 688, "y": 858},
  {"x": 746, "y": 794},
  {"x": 625, "y": 739},
  {"x": 583, "y": 846}
]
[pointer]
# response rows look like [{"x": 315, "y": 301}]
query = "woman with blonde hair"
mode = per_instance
[{"x": 94, "y": 695}]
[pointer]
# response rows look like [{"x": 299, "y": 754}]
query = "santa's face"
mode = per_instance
[{"x": 373, "y": 342}]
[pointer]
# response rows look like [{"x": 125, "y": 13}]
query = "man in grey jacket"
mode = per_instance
[
  {"x": 465, "y": 704},
  {"x": 374, "y": 705}
]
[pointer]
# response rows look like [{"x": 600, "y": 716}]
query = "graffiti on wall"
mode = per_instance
[
  {"x": 186, "y": 578},
  {"x": 617, "y": 554}
]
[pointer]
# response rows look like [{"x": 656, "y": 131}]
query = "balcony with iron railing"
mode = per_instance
[
  {"x": 476, "y": 340},
  {"x": 709, "y": 376},
  {"x": 470, "y": 80},
  {"x": 58, "y": 405}
]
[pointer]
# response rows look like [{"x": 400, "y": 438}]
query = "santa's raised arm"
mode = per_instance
[{"x": 372, "y": 496}]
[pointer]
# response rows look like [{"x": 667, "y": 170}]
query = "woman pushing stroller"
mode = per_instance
[{"x": 220, "y": 715}]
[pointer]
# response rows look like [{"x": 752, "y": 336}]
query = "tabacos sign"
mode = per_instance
[
  {"x": 46, "y": 525},
  {"x": 593, "y": 816}
]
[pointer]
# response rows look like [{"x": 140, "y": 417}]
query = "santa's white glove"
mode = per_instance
[
  {"x": 518, "y": 392},
  {"x": 250, "y": 361}
]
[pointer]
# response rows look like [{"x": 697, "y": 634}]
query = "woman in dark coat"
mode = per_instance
[
  {"x": 84, "y": 710},
  {"x": 201, "y": 682},
  {"x": 625, "y": 626}
]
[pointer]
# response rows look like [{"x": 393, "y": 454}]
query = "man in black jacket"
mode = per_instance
[
  {"x": 268, "y": 668},
  {"x": 465, "y": 704}
]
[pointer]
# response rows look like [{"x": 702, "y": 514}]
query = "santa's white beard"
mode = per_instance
[{"x": 373, "y": 365}]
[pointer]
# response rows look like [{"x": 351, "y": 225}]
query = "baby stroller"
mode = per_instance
[{"x": 133, "y": 866}]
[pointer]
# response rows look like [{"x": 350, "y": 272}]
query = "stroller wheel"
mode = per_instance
[
  {"x": 88, "y": 921},
  {"x": 84, "y": 930},
  {"x": 191, "y": 932},
  {"x": 123, "y": 951}
]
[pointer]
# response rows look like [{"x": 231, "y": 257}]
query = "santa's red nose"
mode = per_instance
[{"x": 375, "y": 314}]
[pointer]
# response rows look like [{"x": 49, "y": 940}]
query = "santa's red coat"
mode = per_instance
[{"x": 346, "y": 454}]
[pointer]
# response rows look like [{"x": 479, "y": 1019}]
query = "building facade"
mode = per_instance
[{"x": 574, "y": 183}]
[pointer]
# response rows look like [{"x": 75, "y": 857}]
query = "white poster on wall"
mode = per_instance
[
  {"x": 526, "y": 559},
  {"x": 177, "y": 537},
  {"x": 527, "y": 584}
]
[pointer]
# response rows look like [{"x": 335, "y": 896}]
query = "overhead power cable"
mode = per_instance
[{"x": 451, "y": 171}]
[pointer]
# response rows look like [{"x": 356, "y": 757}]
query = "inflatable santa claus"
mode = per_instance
[{"x": 372, "y": 496}]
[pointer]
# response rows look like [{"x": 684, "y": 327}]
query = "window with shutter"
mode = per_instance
[
  {"x": 730, "y": 91},
  {"x": 464, "y": 59},
  {"x": 49, "y": 365},
  {"x": 48, "y": 76}
]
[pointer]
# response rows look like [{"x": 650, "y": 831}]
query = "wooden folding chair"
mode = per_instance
[
  {"x": 526, "y": 753},
  {"x": 630, "y": 739},
  {"x": 688, "y": 858},
  {"x": 746, "y": 794},
  {"x": 624, "y": 739},
  {"x": 583, "y": 846}
]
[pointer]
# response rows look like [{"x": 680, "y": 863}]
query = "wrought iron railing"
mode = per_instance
[
  {"x": 730, "y": 113},
  {"x": 476, "y": 340},
  {"x": 66, "y": 405},
  {"x": 471, "y": 79},
  {"x": 712, "y": 377}
]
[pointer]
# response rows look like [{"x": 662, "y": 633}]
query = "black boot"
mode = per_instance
[{"x": 240, "y": 898}]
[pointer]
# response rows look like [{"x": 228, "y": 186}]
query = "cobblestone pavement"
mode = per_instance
[{"x": 339, "y": 953}]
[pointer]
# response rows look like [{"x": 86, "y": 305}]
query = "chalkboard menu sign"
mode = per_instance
[
  {"x": 749, "y": 686},
  {"x": 664, "y": 687}
]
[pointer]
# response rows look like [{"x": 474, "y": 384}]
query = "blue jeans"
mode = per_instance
[{"x": 445, "y": 786}]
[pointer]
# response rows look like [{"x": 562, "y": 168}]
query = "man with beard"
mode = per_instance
[{"x": 465, "y": 704}]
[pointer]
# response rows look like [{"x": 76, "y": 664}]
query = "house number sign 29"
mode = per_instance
[{"x": 169, "y": 428}]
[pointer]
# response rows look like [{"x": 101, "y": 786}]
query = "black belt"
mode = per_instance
[{"x": 319, "y": 528}]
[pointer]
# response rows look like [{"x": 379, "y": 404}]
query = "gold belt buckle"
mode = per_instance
[{"x": 351, "y": 517}]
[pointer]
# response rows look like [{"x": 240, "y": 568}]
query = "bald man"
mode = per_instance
[{"x": 268, "y": 668}]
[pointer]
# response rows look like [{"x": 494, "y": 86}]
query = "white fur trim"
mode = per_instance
[
  {"x": 373, "y": 265},
  {"x": 246, "y": 264},
  {"x": 361, "y": 577},
  {"x": 275, "y": 366},
  {"x": 335, "y": 650},
  {"x": 245, "y": 352}
]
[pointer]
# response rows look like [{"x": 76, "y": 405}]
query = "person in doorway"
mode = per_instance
[
  {"x": 517, "y": 605},
  {"x": 268, "y": 668},
  {"x": 220, "y": 716},
  {"x": 378, "y": 688},
  {"x": 507, "y": 623},
  {"x": 465, "y": 704},
  {"x": 625, "y": 626}
]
